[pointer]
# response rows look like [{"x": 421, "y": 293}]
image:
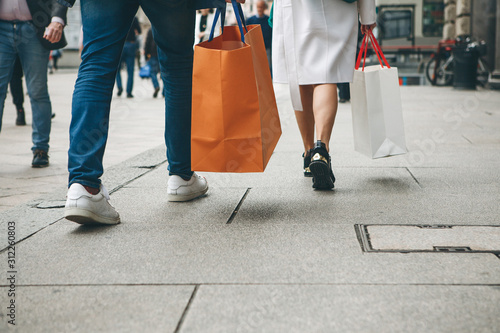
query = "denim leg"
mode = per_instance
[
  {"x": 173, "y": 31},
  {"x": 129, "y": 54},
  {"x": 119, "y": 76},
  {"x": 105, "y": 26},
  {"x": 7, "y": 59},
  {"x": 153, "y": 64},
  {"x": 34, "y": 59}
]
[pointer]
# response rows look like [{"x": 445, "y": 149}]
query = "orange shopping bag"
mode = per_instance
[{"x": 235, "y": 123}]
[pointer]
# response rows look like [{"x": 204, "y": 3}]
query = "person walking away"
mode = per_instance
[
  {"x": 17, "y": 91},
  {"x": 56, "y": 55},
  {"x": 314, "y": 48},
  {"x": 151, "y": 54},
  {"x": 262, "y": 19},
  {"x": 29, "y": 29},
  {"x": 128, "y": 58},
  {"x": 173, "y": 32}
]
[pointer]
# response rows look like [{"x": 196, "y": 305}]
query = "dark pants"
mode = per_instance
[
  {"x": 16, "y": 85},
  {"x": 344, "y": 92}
]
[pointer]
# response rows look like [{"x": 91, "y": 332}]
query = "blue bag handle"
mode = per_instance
[
  {"x": 222, "y": 12},
  {"x": 240, "y": 18},
  {"x": 238, "y": 12}
]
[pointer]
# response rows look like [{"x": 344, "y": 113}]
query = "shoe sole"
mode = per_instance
[
  {"x": 40, "y": 165},
  {"x": 321, "y": 175},
  {"x": 183, "y": 198},
  {"x": 82, "y": 216}
]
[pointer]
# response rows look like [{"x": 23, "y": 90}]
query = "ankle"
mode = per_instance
[{"x": 91, "y": 190}]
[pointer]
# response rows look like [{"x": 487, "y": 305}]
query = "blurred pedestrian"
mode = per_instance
[
  {"x": 151, "y": 54},
  {"x": 314, "y": 48},
  {"x": 56, "y": 55},
  {"x": 30, "y": 29},
  {"x": 53, "y": 59},
  {"x": 344, "y": 92},
  {"x": 128, "y": 58},
  {"x": 203, "y": 26},
  {"x": 173, "y": 32},
  {"x": 17, "y": 91},
  {"x": 262, "y": 19}
]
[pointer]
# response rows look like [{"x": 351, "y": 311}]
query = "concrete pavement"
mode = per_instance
[{"x": 289, "y": 259}]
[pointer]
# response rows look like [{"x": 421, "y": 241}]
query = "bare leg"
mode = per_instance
[
  {"x": 305, "y": 119},
  {"x": 325, "y": 109}
]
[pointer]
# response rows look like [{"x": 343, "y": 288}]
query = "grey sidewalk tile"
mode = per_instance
[
  {"x": 134, "y": 308},
  {"x": 371, "y": 200},
  {"x": 150, "y": 206},
  {"x": 346, "y": 308},
  {"x": 48, "y": 208},
  {"x": 475, "y": 181},
  {"x": 243, "y": 252}
]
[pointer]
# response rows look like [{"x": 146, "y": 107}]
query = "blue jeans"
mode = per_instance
[
  {"x": 20, "y": 39},
  {"x": 128, "y": 57},
  {"x": 105, "y": 26},
  {"x": 153, "y": 64}
]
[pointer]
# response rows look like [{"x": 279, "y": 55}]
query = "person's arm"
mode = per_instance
[
  {"x": 53, "y": 32},
  {"x": 367, "y": 15}
]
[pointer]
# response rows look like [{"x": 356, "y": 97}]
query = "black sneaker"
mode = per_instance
[
  {"x": 40, "y": 159},
  {"x": 307, "y": 161},
  {"x": 130, "y": 96},
  {"x": 321, "y": 167},
  {"x": 120, "y": 91},
  {"x": 155, "y": 94},
  {"x": 21, "y": 119}
]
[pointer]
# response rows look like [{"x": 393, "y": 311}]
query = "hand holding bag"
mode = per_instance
[
  {"x": 235, "y": 123},
  {"x": 377, "y": 115}
]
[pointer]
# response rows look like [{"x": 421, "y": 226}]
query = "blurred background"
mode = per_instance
[{"x": 428, "y": 40}]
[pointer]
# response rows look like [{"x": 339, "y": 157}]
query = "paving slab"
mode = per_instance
[
  {"x": 346, "y": 308},
  {"x": 163, "y": 251},
  {"x": 132, "y": 308},
  {"x": 371, "y": 196},
  {"x": 47, "y": 208}
]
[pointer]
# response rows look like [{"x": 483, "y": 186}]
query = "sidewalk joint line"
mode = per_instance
[
  {"x": 149, "y": 169},
  {"x": 31, "y": 235},
  {"x": 222, "y": 284},
  {"x": 62, "y": 218},
  {"x": 184, "y": 314},
  {"x": 237, "y": 209},
  {"x": 466, "y": 138},
  {"x": 414, "y": 178}
]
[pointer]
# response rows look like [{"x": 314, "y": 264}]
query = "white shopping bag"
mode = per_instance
[{"x": 377, "y": 115}]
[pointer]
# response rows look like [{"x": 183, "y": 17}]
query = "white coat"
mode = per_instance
[{"x": 314, "y": 41}]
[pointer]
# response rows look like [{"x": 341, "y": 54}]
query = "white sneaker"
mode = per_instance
[
  {"x": 184, "y": 190},
  {"x": 83, "y": 207}
]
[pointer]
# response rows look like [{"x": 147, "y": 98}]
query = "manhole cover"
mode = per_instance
[{"x": 429, "y": 238}]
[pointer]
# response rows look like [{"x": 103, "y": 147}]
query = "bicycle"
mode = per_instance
[{"x": 439, "y": 69}]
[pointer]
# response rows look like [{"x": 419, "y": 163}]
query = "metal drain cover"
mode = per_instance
[{"x": 429, "y": 238}]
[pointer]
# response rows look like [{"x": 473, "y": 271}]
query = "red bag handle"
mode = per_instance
[
  {"x": 376, "y": 48},
  {"x": 376, "y": 45},
  {"x": 360, "y": 54}
]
